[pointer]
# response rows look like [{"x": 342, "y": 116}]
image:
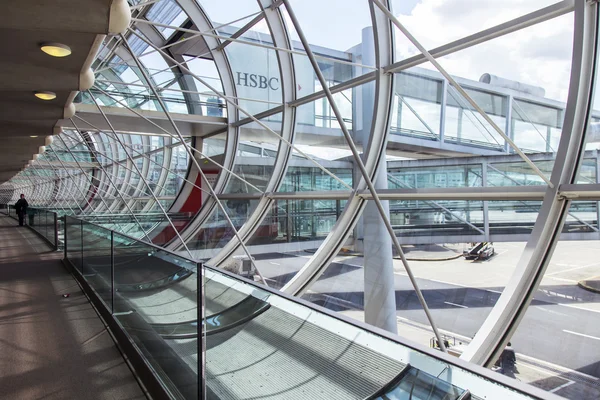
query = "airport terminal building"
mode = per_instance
[{"x": 286, "y": 199}]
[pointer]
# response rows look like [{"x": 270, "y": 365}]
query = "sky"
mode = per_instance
[{"x": 539, "y": 55}]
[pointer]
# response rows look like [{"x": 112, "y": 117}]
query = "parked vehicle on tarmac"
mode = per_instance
[{"x": 479, "y": 251}]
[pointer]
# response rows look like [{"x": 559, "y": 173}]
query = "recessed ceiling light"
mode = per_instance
[
  {"x": 45, "y": 95},
  {"x": 33, "y": 136},
  {"x": 56, "y": 49}
]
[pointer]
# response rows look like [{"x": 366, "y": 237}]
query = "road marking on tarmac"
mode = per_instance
[
  {"x": 552, "y": 312},
  {"x": 455, "y": 305},
  {"x": 576, "y": 306},
  {"x": 453, "y": 284},
  {"x": 274, "y": 263},
  {"x": 581, "y": 334},
  {"x": 556, "y": 389},
  {"x": 572, "y": 269},
  {"x": 562, "y": 279}
]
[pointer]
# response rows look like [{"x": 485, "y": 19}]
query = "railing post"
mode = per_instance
[
  {"x": 81, "y": 224},
  {"x": 112, "y": 272},
  {"x": 201, "y": 343},
  {"x": 56, "y": 231},
  {"x": 65, "y": 236}
]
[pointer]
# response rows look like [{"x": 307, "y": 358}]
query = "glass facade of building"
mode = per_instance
[{"x": 300, "y": 136}]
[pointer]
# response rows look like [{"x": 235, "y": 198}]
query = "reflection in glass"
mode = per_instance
[{"x": 418, "y": 385}]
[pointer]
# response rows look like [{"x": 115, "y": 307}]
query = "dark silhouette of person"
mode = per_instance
[
  {"x": 508, "y": 361},
  {"x": 21, "y": 209},
  {"x": 240, "y": 206}
]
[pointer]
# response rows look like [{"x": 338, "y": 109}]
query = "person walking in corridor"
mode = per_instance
[{"x": 21, "y": 209}]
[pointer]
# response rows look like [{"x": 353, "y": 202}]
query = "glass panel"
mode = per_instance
[
  {"x": 464, "y": 125},
  {"x": 74, "y": 242},
  {"x": 556, "y": 343},
  {"x": 316, "y": 25},
  {"x": 536, "y": 127},
  {"x": 166, "y": 12},
  {"x": 251, "y": 333},
  {"x": 514, "y": 218},
  {"x": 460, "y": 19},
  {"x": 517, "y": 173},
  {"x": 97, "y": 261},
  {"x": 216, "y": 231},
  {"x": 417, "y": 106},
  {"x": 255, "y": 157},
  {"x": 42, "y": 222},
  {"x": 236, "y": 9},
  {"x": 256, "y": 75},
  {"x": 418, "y": 385},
  {"x": 291, "y": 232},
  {"x": 413, "y": 218},
  {"x": 153, "y": 289}
]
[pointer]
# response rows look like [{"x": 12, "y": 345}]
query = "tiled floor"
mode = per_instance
[{"x": 52, "y": 347}]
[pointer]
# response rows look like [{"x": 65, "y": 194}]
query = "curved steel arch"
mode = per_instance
[
  {"x": 375, "y": 150},
  {"x": 512, "y": 305},
  {"x": 281, "y": 39},
  {"x": 199, "y": 17}
]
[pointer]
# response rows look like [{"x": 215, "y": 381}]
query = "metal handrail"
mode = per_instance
[{"x": 133, "y": 238}]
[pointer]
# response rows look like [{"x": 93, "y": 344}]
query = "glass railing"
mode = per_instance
[
  {"x": 208, "y": 105},
  {"x": 188, "y": 320},
  {"x": 154, "y": 227},
  {"x": 138, "y": 284},
  {"x": 44, "y": 222}
]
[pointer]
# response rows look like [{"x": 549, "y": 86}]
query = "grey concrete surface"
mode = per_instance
[{"x": 52, "y": 347}]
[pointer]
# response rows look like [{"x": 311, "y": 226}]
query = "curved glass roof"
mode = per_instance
[{"x": 300, "y": 134}]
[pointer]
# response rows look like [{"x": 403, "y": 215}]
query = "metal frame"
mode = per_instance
[
  {"x": 512, "y": 305},
  {"x": 382, "y": 104},
  {"x": 199, "y": 18},
  {"x": 275, "y": 22},
  {"x": 116, "y": 188},
  {"x": 446, "y": 359},
  {"x": 561, "y": 187},
  {"x": 195, "y": 161}
]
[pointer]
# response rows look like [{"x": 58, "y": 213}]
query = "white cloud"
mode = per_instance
[{"x": 539, "y": 55}]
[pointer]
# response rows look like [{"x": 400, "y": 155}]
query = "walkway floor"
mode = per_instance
[{"x": 52, "y": 347}]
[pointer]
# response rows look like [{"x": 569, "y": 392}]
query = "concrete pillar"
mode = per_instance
[{"x": 380, "y": 299}]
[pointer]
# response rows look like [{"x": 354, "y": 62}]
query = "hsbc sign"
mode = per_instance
[
  {"x": 257, "y": 81},
  {"x": 259, "y": 85}
]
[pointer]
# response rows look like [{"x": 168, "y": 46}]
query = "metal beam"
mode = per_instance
[
  {"x": 525, "y": 21},
  {"x": 510, "y": 308},
  {"x": 460, "y": 90}
]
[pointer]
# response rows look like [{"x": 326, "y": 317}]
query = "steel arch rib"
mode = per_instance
[
  {"x": 384, "y": 95},
  {"x": 163, "y": 175},
  {"x": 280, "y": 37},
  {"x": 512, "y": 305},
  {"x": 203, "y": 23}
]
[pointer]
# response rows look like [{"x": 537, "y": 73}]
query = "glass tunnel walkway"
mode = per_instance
[{"x": 252, "y": 341}]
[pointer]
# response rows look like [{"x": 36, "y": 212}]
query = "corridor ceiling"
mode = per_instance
[{"x": 25, "y": 120}]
